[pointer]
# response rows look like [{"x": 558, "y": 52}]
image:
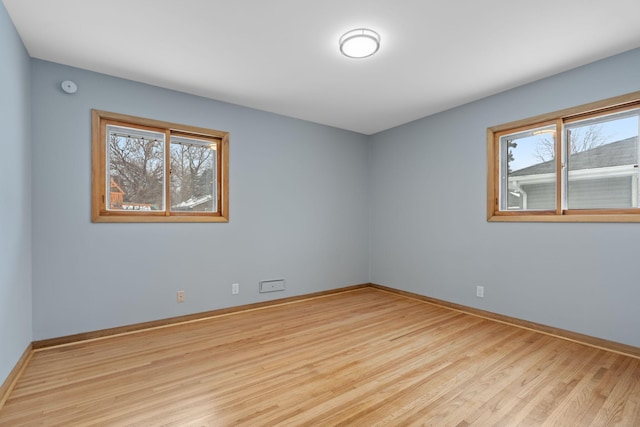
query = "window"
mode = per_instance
[
  {"x": 151, "y": 171},
  {"x": 579, "y": 164}
]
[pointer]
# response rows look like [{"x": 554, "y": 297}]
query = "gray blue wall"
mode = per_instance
[
  {"x": 15, "y": 197},
  {"x": 429, "y": 233},
  {"x": 298, "y": 210}
]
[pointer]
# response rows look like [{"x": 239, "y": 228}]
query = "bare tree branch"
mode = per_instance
[{"x": 580, "y": 139}]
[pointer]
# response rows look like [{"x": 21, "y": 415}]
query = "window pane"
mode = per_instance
[
  {"x": 135, "y": 179},
  {"x": 528, "y": 170},
  {"x": 603, "y": 162},
  {"x": 193, "y": 175}
]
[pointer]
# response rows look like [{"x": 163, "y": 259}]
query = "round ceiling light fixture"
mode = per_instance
[{"x": 359, "y": 43}]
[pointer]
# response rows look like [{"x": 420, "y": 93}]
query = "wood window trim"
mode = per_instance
[
  {"x": 494, "y": 214},
  {"x": 99, "y": 213}
]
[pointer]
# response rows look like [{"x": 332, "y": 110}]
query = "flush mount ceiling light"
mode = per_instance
[{"x": 359, "y": 43}]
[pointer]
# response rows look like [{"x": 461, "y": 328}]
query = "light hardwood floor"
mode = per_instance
[{"x": 360, "y": 358}]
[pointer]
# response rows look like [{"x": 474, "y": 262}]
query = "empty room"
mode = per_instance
[{"x": 356, "y": 213}]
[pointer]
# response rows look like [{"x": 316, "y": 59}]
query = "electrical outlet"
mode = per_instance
[
  {"x": 235, "y": 288},
  {"x": 480, "y": 291},
  {"x": 180, "y": 296}
]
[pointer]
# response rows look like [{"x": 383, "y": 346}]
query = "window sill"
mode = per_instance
[
  {"x": 564, "y": 218},
  {"x": 158, "y": 218}
]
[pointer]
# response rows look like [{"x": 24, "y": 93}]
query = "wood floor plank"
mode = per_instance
[{"x": 364, "y": 357}]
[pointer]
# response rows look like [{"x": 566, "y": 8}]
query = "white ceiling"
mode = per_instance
[{"x": 282, "y": 55}]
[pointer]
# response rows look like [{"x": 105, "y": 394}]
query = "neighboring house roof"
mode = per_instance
[
  {"x": 115, "y": 185},
  {"x": 193, "y": 202},
  {"x": 624, "y": 152}
]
